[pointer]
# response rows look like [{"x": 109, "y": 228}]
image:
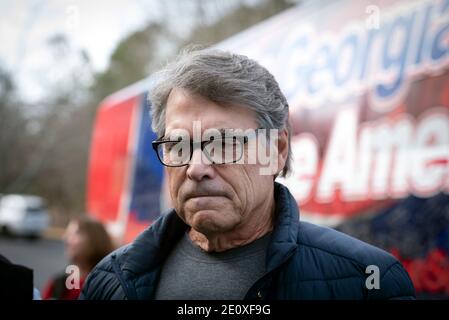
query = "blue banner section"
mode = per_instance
[
  {"x": 416, "y": 231},
  {"x": 148, "y": 172},
  {"x": 414, "y": 225}
]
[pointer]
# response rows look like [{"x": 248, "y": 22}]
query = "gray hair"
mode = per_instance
[{"x": 224, "y": 78}]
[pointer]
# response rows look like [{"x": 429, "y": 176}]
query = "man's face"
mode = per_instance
[{"x": 213, "y": 198}]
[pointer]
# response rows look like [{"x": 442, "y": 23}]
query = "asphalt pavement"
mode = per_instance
[{"x": 45, "y": 256}]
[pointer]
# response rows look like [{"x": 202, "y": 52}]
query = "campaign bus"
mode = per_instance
[{"x": 368, "y": 88}]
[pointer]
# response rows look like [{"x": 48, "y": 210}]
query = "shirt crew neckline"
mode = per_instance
[{"x": 193, "y": 251}]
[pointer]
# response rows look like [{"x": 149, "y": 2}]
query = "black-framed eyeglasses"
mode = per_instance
[{"x": 222, "y": 150}]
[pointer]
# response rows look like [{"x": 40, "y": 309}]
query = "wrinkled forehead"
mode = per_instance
[
  {"x": 208, "y": 134},
  {"x": 188, "y": 111}
]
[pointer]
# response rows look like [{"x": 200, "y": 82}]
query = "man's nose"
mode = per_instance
[{"x": 200, "y": 167}]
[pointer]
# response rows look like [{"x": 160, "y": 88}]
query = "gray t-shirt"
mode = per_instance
[{"x": 189, "y": 273}]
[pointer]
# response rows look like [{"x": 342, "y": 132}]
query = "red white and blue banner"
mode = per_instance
[{"x": 368, "y": 87}]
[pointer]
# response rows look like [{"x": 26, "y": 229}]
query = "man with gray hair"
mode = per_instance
[{"x": 234, "y": 232}]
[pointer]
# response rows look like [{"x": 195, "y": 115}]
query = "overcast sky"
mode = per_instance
[{"x": 94, "y": 26}]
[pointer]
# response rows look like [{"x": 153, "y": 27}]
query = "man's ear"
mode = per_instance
[
  {"x": 283, "y": 148},
  {"x": 278, "y": 152}
]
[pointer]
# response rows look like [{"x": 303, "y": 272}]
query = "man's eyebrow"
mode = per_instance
[
  {"x": 167, "y": 138},
  {"x": 164, "y": 137},
  {"x": 229, "y": 130},
  {"x": 226, "y": 132},
  {"x": 221, "y": 131}
]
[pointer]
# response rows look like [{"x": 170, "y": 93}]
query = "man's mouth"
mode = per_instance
[{"x": 196, "y": 196}]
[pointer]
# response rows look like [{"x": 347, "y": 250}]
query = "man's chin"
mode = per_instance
[{"x": 208, "y": 221}]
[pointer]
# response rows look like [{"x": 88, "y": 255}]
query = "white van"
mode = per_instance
[{"x": 23, "y": 215}]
